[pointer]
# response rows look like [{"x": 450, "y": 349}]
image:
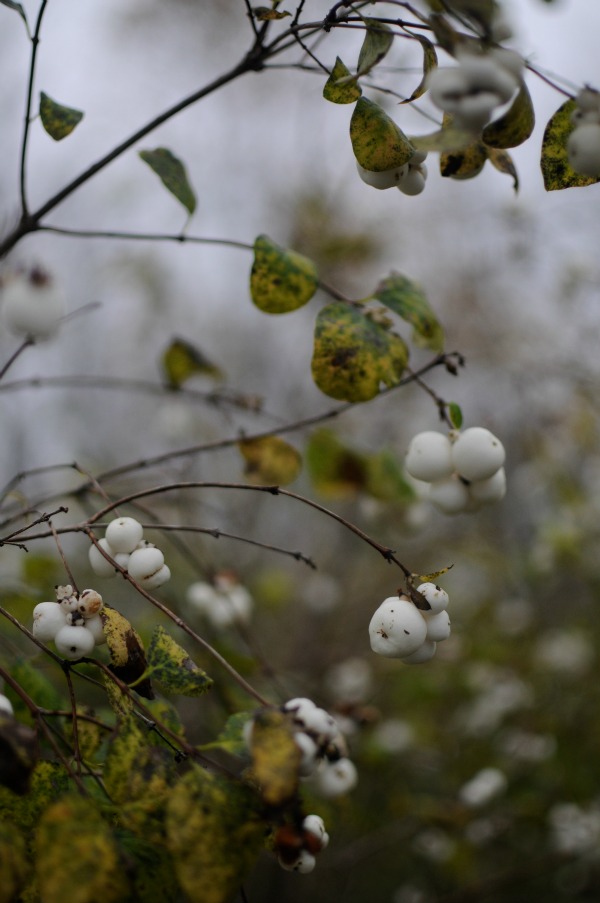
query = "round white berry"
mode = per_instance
[
  {"x": 485, "y": 74},
  {"x": 475, "y": 110},
  {"x": 334, "y": 778},
  {"x": 417, "y": 158},
  {"x": 96, "y": 628},
  {"x": 163, "y": 575},
  {"x": 309, "y": 751},
  {"x": 436, "y": 596},
  {"x": 583, "y": 148},
  {"x": 509, "y": 59},
  {"x": 413, "y": 182},
  {"x": 300, "y": 709},
  {"x": 89, "y": 603},
  {"x": 48, "y": 619},
  {"x": 447, "y": 87},
  {"x": 123, "y": 534},
  {"x": 491, "y": 490},
  {"x": 388, "y": 178},
  {"x": 314, "y": 824},
  {"x": 5, "y": 705},
  {"x": 320, "y": 723},
  {"x": 100, "y": 566},
  {"x": 449, "y": 496},
  {"x": 429, "y": 456},
  {"x": 397, "y": 628},
  {"x": 423, "y": 654},
  {"x": 74, "y": 642},
  {"x": 588, "y": 101},
  {"x": 144, "y": 563},
  {"x": 477, "y": 454},
  {"x": 304, "y": 863},
  {"x": 438, "y": 627},
  {"x": 32, "y": 305},
  {"x": 201, "y": 595}
]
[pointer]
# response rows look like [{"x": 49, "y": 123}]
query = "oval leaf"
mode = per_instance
[
  {"x": 556, "y": 171},
  {"x": 181, "y": 360},
  {"x": 275, "y": 757},
  {"x": 515, "y": 126},
  {"x": 270, "y": 460},
  {"x": 407, "y": 299},
  {"x": 455, "y": 415},
  {"x": 172, "y": 174},
  {"x": 58, "y": 121},
  {"x": 503, "y": 162},
  {"x": 464, "y": 164},
  {"x": 280, "y": 281},
  {"x": 377, "y": 142},
  {"x": 341, "y": 87},
  {"x": 430, "y": 62},
  {"x": 128, "y": 659},
  {"x": 378, "y": 40},
  {"x": 336, "y": 471},
  {"x": 353, "y": 355},
  {"x": 173, "y": 668}
]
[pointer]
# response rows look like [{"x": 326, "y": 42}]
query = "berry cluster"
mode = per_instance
[
  {"x": 409, "y": 179},
  {"x": 72, "y": 622},
  {"x": 398, "y": 629},
  {"x": 224, "y": 602},
  {"x": 471, "y": 91},
  {"x": 583, "y": 145},
  {"x": 32, "y": 304},
  {"x": 465, "y": 469},
  {"x": 141, "y": 559},
  {"x": 297, "y": 848}
]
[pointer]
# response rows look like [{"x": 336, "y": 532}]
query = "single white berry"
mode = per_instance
[
  {"x": 477, "y": 453},
  {"x": 158, "y": 578},
  {"x": 485, "y": 74},
  {"x": 89, "y": 603},
  {"x": 475, "y": 110},
  {"x": 32, "y": 305},
  {"x": 588, "y": 101},
  {"x": 122, "y": 559},
  {"x": 143, "y": 563},
  {"x": 314, "y": 824},
  {"x": 583, "y": 148},
  {"x": 447, "y": 87},
  {"x": 309, "y": 751},
  {"x": 300, "y": 709},
  {"x": 100, "y": 566},
  {"x": 201, "y": 595},
  {"x": 438, "y": 627},
  {"x": 335, "y": 778},
  {"x": 423, "y": 654},
  {"x": 74, "y": 642},
  {"x": 429, "y": 456},
  {"x": 5, "y": 705},
  {"x": 320, "y": 723},
  {"x": 491, "y": 490},
  {"x": 123, "y": 534},
  {"x": 387, "y": 178},
  {"x": 413, "y": 182},
  {"x": 417, "y": 158},
  {"x": 449, "y": 495},
  {"x": 509, "y": 59},
  {"x": 436, "y": 596},
  {"x": 96, "y": 628},
  {"x": 304, "y": 863},
  {"x": 397, "y": 628},
  {"x": 48, "y": 619}
]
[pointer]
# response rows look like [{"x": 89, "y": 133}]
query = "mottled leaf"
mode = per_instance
[
  {"x": 182, "y": 360},
  {"x": 377, "y": 142},
  {"x": 270, "y": 461},
  {"x": 430, "y": 62},
  {"x": 128, "y": 659},
  {"x": 58, "y": 121},
  {"x": 353, "y": 355},
  {"x": 281, "y": 280},
  {"x": 275, "y": 757},
  {"x": 172, "y": 174},
  {"x": 134, "y": 769},
  {"x": 464, "y": 164},
  {"x": 173, "y": 668},
  {"x": 379, "y": 37},
  {"x": 556, "y": 170},
  {"x": 13, "y": 862},
  {"x": 455, "y": 415},
  {"x": 503, "y": 162},
  {"x": 231, "y": 739},
  {"x": 515, "y": 126},
  {"x": 407, "y": 299},
  {"x": 338, "y": 88},
  {"x": 336, "y": 471}
]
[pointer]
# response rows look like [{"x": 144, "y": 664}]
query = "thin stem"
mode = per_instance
[
  {"x": 35, "y": 40},
  {"x": 75, "y": 726},
  {"x": 15, "y": 355}
]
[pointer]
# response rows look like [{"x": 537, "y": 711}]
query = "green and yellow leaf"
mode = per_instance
[
  {"x": 270, "y": 461},
  {"x": 275, "y": 757},
  {"x": 172, "y": 173},
  {"x": 128, "y": 659},
  {"x": 336, "y": 471},
  {"x": 340, "y": 87},
  {"x": 378, "y": 143},
  {"x": 430, "y": 62},
  {"x": 379, "y": 37},
  {"x": 515, "y": 126},
  {"x": 407, "y": 299},
  {"x": 182, "y": 360},
  {"x": 173, "y": 668},
  {"x": 58, "y": 120},
  {"x": 281, "y": 280},
  {"x": 556, "y": 170}
]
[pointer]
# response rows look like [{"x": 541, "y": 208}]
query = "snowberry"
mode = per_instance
[
  {"x": 309, "y": 750},
  {"x": 583, "y": 148},
  {"x": 509, "y": 60},
  {"x": 334, "y": 778},
  {"x": 436, "y": 596},
  {"x": 100, "y": 566},
  {"x": 449, "y": 495},
  {"x": 300, "y": 708},
  {"x": 491, "y": 490},
  {"x": 201, "y": 595},
  {"x": 74, "y": 642},
  {"x": 397, "y": 628},
  {"x": 304, "y": 863},
  {"x": 48, "y": 618},
  {"x": 95, "y": 626},
  {"x": 144, "y": 563},
  {"x": 429, "y": 456},
  {"x": 32, "y": 305},
  {"x": 413, "y": 182},
  {"x": 123, "y": 534},
  {"x": 5, "y": 705},
  {"x": 475, "y": 110},
  {"x": 477, "y": 454},
  {"x": 90, "y": 602},
  {"x": 447, "y": 87},
  {"x": 388, "y": 178},
  {"x": 438, "y": 627},
  {"x": 423, "y": 654},
  {"x": 314, "y": 824},
  {"x": 158, "y": 578},
  {"x": 485, "y": 74},
  {"x": 319, "y": 722}
]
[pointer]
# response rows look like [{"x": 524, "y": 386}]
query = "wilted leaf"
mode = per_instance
[
  {"x": 264, "y": 14},
  {"x": 128, "y": 659},
  {"x": 337, "y": 88},
  {"x": 464, "y": 164},
  {"x": 503, "y": 162},
  {"x": 556, "y": 170},
  {"x": 455, "y": 415},
  {"x": 172, "y": 174},
  {"x": 429, "y": 64},
  {"x": 58, "y": 121},
  {"x": 91, "y": 871},
  {"x": 353, "y": 355},
  {"x": 270, "y": 460},
  {"x": 275, "y": 757},
  {"x": 336, "y": 471},
  {"x": 377, "y": 142},
  {"x": 407, "y": 299},
  {"x": 515, "y": 126},
  {"x": 281, "y": 280},
  {"x": 173, "y": 668},
  {"x": 181, "y": 360},
  {"x": 386, "y": 480},
  {"x": 13, "y": 862},
  {"x": 214, "y": 835},
  {"x": 18, "y": 753},
  {"x": 378, "y": 39}
]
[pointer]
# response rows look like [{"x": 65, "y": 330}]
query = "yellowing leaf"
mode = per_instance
[
  {"x": 353, "y": 355},
  {"x": 182, "y": 360},
  {"x": 556, "y": 170},
  {"x": 13, "y": 862},
  {"x": 128, "y": 659},
  {"x": 464, "y": 164},
  {"x": 173, "y": 668},
  {"x": 515, "y": 126},
  {"x": 264, "y": 14},
  {"x": 275, "y": 757},
  {"x": 58, "y": 121},
  {"x": 407, "y": 299},
  {"x": 377, "y": 142},
  {"x": 340, "y": 87},
  {"x": 336, "y": 471},
  {"x": 270, "y": 461},
  {"x": 281, "y": 280},
  {"x": 503, "y": 162},
  {"x": 378, "y": 39},
  {"x": 172, "y": 174},
  {"x": 430, "y": 62}
]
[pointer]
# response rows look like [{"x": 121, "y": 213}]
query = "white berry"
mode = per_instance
[
  {"x": 32, "y": 305},
  {"x": 423, "y": 654},
  {"x": 438, "y": 627},
  {"x": 485, "y": 74},
  {"x": 413, "y": 182},
  {"x": 436, "y": 596},
  {"x": 158, "y": 578},
  {"x": 491, "y": 490},
  {"x": 314, "y": 824},
  {"x": 449, "y": 495},
  {"x": 74, "y": 642},
  {"x": 123, "y": 534},
  {"x": 100, "y": 566},
  {"x": 477, "y": 454},
  {"x": 300, "y": 709},
  {"x": 48, "y": 619},
  {"x": 89, "y": 604},
  {"x": 96, "y": 628},
  {"x": 304, "y": 863},
  {"x": 320, "y": 723},
  {"x": 388, "y": 178},
  {"x": 309, "y": 750},
  {"x": 429, "y": 456},
  {"x": 5, "y": 705},
  {"x": 144, "y": 563},
  {"x": 583, "y": 148},
  {"x": 475, "y": 110},
  {"x": 397, "y": 628},
  {"x": 335, "y": 778},
  {"x": 447, "y": 87}
]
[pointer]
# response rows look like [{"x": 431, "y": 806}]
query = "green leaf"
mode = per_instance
[
  {"x": 214, "y": 835},
  {"x": 385, "y": 478},
  {"x": 455, "y": 414},
  {"x": 515, "y": 126},
  {"x": 556, "y": 170},
  {"x": 336, "y": 471},
  {"x": 172, "y": 174},
  {"x": 407, "y": 299},
  {"x": 340, "y": 86},
  {"x": 173, "y": 668},
  {"x": 13, "y": 862},
  {"x": 281, "y": 280},
  {"x": 430, "y": 62},
  {"x": 58, "y": 121},
  {"x": 231, "y": 739},
  {"x": 377, "y": 142},
  {"x": 275, "y": 757},
  {"x": 182, "y": 360},
  {"x": 270, "y": 460},
  {"x": 353, "y": 355},
  {"x": 503, "y": 162},
  {"x": 464, "y": 164},
  {"x": 378, "y": 39},
  {"x": 128, "y": 659},
  {"x": 31, "y": 678}
]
